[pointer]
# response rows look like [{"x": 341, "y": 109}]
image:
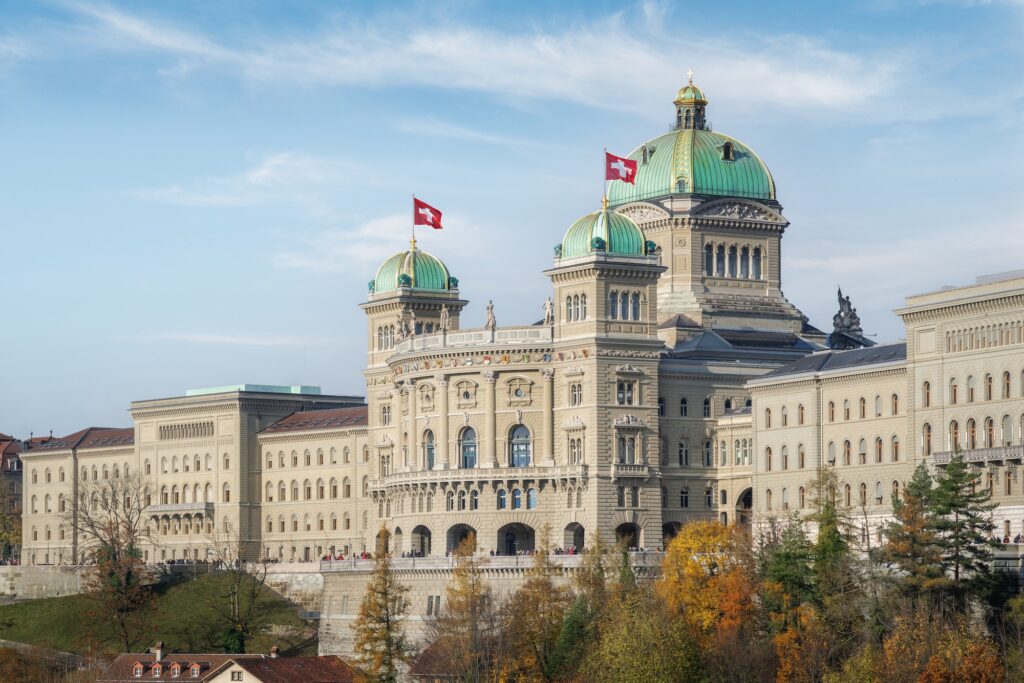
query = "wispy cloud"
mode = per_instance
[
  {"x": 584, "y": 63},
  {"x": 227, "y": 339},
  {"x": 442, "y": 129},
  {"x": 360, "y": 248},
  {"x": 286, "y": 176}
]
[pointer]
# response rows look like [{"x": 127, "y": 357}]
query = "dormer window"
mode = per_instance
[
  {"x": 157, "y": 670},
  {"x": 137, "y": 670},
  {"x": 727, "y": 152},
  {"x": 194, "y": 670}
]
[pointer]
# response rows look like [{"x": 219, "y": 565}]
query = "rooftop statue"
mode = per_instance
[
  {"x": 445, "y": 318},
  {"x": 549, "y": 312},
  {"x": 491, "y": 323},
  {"x": 846, "y": 320}
]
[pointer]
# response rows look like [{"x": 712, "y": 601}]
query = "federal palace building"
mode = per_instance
[{"x": 670, "y": 381}]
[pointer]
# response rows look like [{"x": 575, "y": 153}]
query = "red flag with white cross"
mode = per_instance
[
  {"x": 617, "y": 168},
  {"x": 425, "y": 214}
]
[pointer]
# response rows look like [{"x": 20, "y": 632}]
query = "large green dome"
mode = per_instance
[
  {"x": 605, "y": 231},
  {"x": 692, "y": 159},
  {"x": 414, "y": 269}
]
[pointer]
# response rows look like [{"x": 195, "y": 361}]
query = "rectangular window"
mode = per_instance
[
  {"x": 625, "y": 393},
  {"x": 430, "y": 605},
  {"x": 236, "y": 675}
]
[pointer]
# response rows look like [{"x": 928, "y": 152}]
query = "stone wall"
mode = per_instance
[
  {"x": 300, "y": 582},
  {"x": 28, "y": 582}
]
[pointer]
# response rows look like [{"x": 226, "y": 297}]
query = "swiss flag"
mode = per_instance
[
  {"x": 617, "y": 168},
  {"x": 425, "y": 214}
]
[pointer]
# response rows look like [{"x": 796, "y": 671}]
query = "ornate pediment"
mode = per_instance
[
  {"x": 643, "y": 213},
  {"x": 739, "y": 211},
  {"x": 574, "y": 372},
  {"x": 574, "y": 422},
  {"x": 628, "y": 369},
  {"x": 629, "y": 421}
]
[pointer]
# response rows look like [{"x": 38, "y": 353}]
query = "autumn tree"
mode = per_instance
[
  {"x": 466, "y": 633},
  {"x": 380, "y": 641},
  {"x": 108, "y": 519},
  {"x": 533, "y": 616},
  {"x": 912, "y": 542},
  {"x": 784, "y": 557},
  {"x": 641, "y": 642},
  {"x": 10, "y": 525},
  {"x": 962, "y": 515},
  {"x": 579, "y": 626},
  {"x": 703, "y": 580}
]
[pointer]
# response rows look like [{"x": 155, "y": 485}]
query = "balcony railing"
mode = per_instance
[
  {"x": 622, "y": 470},
  {"x": 205, "y": 508},
  {"x": 482, "y": 474},
  {"x": 508, "y": 336},
  {"x": 981, "y": 456},
  {"x": 639, "y": 559}
]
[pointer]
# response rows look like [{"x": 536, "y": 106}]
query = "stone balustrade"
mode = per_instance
[
  {"x": 642, "y": 561},
  {"x": 982, "y": 456},
  {"x": 180, "y": 508},
  {"x": 508, "y": 336},
  {"x": 398, "y": 479}
]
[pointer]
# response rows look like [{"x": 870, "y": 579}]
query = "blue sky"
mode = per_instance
[{"x": 196, "y": 193}]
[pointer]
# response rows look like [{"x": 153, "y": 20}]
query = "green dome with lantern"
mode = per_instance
[
  {"x": 412, "y": 269},
  {"x": 603, "y": 231},
  {"x": 693, "y": 159}
]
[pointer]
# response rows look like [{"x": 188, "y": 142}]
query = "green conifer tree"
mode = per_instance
[
  {"x": 380, "y": 641},
  {"x": 912, "y": 541}
]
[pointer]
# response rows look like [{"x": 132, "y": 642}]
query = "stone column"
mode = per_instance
[
  {"x": 414, "y": 432},
  {"x": 490, "y": 457},
  {"x": 443, "y": 456},
  {"x": 548, "y": 428}
]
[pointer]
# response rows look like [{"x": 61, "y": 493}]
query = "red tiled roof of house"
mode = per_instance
[
  {"x": 120, "y": 670},
  {"x": 90, "y": 437},
  {"x": 311, "y": 420},
  {"x": 327, "y": 669}
]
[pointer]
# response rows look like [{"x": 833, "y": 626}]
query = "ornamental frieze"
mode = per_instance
[
  {"x": 642, "y": 213},
  {"x": 739, "y": 211},
  {"x": 627, "y": 353}
]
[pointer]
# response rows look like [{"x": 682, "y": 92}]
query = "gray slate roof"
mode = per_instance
[{"x": 828, "y": 361}]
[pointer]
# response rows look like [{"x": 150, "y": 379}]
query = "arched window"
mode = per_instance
[
  {"x": 847, "y": 452},
  {"x": 709, "y": 260},
  {"x": 926, "y": 394},
  {"x": 895, "y": 491},
  {"x": 462, "y": 500},
  {"x": 531, "y": 499},
  {"x": 953, "y": 394},
  {"x": 707, "y": 407},
  {"x": 863, "y": 408},
  {"x": 972, "y": 434},
  {"x": 684, "y": 453},
  {"x": 847, "y": 499},
  {"x": 768, "y": 459},
  {"x": 520, "y": 447},
  {"x": 583, "y": 306},
  {"x": 768, "y": 499},
  {"x": 862, "y": 452},
  {"x": 1006, "y": 385},
  {"x": 767, "y": 418},
  {"x": 682, "y": 407},
  {"x": 894, "y": 404},
  {"x": 800, "y": 414},
  {"x": 576, "y": 307},
  {"x": 320, "y": 489},
  {"x": 801, "y": 456},
  {"x": 970, "y": 388},
  {"x": 863, "y": 494},
  {"x": 636, "y": 306},
  {"x": 785, "y": 458},
  {"x": 926, "y": 438},
  {"x": 226, "y": 498},
  {"x": 502, "y": 499},
  {"x": 708, "y": 454},
  {"x": 878, "y": 449},
  {"x": 831, "y": 453},
  {"x": 624, "y": 306},
  {"x": 428, "y": 449},
  {"x": 450, "y": 501},
  {"x": 613, "y": 304},
  {"x": 474, "y": 500},
  {"x": 755, "y": 264},
  {"x": 720, "y": 261},
  {"x": 988, "y": 387},
  {"x": 954, "y": 435},
  {"x": 894, "y": 448},
  {"x": 727, "y": 151},
  {"x": 831, "y": 411},
  {"x": 878, "y": 406},
  {"x": 990, "y": 432},
  {"x": 467, "y": 446},
  {"x": 517, "y": 499},
  {"x": 801, "y": 498}
]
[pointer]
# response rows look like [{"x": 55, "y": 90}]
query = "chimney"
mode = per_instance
[
  {"x": 158, "y": 651},
  {"x": 273, "y": 652}
]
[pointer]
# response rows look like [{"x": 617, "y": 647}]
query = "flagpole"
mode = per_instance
[{"x": 413, "y": 241}]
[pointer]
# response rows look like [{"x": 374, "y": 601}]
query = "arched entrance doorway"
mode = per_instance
[
  {"x": 668, "y": 532},
  {"x": 513, "y": 538},
  {"x": 459, "y": 533},
  {"x": 628, "y": 535},
  {"x": 383, "y": 542},
  {"x": 420, "y": 541},
  {"x": 745, "y": 506},
  {"x": 396, "y": 541},
  {"x": 573, "y": 536}
]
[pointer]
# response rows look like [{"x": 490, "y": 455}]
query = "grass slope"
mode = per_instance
[{"x": 184, "y": 616}]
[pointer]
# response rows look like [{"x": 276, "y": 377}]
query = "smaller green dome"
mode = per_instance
[
  {"x": 605, "y": 231},
  {"x": 690, "y": 94},
  {"x": 414, "y": 269}
]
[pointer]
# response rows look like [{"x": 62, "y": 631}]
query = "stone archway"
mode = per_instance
[
  {"x": 383, "y": 545},
  {"x": 574, "y": 536},
  {"x": 420, "y": 541},
  {"x": 514, "y": 538},
  {"x": 745, "y": 506},
  {"x": 396, "y": 541},
  {"x": 628, "y": 534},
  {"x": 457, "y": 534},
  {"x": 668, "y": 532}
]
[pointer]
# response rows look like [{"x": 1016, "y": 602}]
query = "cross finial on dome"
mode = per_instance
[{"x": 689, "y": 76}]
